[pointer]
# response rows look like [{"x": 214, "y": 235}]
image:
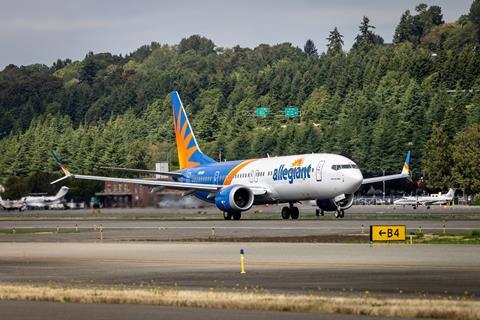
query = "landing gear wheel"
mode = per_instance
[
  {"x": 338, "y": 214},
  {"x": 342, "y": 213},
  {"x": 227, "y": 215},
  {"x": 428, "y": 207},
  {"x": 294, "y": 213},
  {"x": 237, "y": 215},
  {"x": 414, "y": 207},
  {"x": 285, "y": 213},
  {"x": 322, "y": 213},
  {"x": 317, "y": 212}
]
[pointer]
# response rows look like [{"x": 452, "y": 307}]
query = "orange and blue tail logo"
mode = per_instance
[
  {"x": 189, "y": 153},
  {"x": 406, "y": 165}
]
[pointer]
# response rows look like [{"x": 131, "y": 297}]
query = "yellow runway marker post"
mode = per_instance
[{"x": 242, "y": 260}]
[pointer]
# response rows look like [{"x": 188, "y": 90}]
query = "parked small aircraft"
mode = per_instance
[
  {"x": 434, "y": 199},
  {"x": 31, "y": 202}
]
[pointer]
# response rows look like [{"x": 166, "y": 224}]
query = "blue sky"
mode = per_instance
[{"x": 33, "y": 31}]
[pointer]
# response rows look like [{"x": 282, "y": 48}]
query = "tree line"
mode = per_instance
[{"x": 371, "y": 103}]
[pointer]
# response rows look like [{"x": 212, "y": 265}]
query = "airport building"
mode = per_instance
[{"x": 126, "y": 195}]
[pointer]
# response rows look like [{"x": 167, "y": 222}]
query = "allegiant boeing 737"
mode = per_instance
[{"x": 235, "y": 186}]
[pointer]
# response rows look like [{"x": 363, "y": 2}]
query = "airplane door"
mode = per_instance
[
  {"x": 318, "y": 172},
  {"x": 256, "y": 175},
  {"x": 215, "y": 177}
]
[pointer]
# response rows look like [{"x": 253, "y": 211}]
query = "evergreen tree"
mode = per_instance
[
  {"x": 309, "y": 48},
  {"x": 474, "y": 17},
  {"x": 366, "y": 36},
  {"x": 335, "y": 42},
  {"x": 437, "y": 160},
  {"x": 465, "y": 153}
]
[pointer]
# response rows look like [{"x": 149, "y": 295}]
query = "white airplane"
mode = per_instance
[
  {"x": 235, "y": 186},
  {"x": 45, "y": 202},
  {"x": 12, "y": 204},
  {"x": 434, "y": 199}
]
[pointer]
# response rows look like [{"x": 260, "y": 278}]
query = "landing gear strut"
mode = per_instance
[
  {"x": 319, "y": 212},
  {"x": 229, "y": 215},
  {"x": 290, "y": 212},
  {"x": 339, "y": 214}
]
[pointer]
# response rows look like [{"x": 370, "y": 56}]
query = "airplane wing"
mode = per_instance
[
  {"x": 164, "y": 173},
  {"x": 404, "y": 174},
  {"x": 154, "y": 183}
]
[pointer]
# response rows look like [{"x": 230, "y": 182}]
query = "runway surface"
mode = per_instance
[
  {"x": 259, "y": 212},
  {"x": 152, "y": 230},
  {"x": 23, "y": 310},
  {"x": 339, "y": 269}
]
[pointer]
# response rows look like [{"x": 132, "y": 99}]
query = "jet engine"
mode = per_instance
[
  {"x": 234, "y": 198},
  {"x": 341, "y": 202}
]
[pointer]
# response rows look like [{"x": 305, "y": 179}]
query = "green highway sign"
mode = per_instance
[
  {"x": 292, "y": 112},
  {"x": 262, "y": 112}
]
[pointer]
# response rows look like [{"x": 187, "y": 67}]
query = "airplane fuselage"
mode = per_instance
[{"x": 287, "y": 178}]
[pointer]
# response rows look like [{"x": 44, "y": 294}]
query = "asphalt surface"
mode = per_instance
[
  {"x": 340, "y": 269},
  {"x": 28, "y": 310},
  {"x": 152, "y": 224},
  {"x": 257, "y": 212},
  {"x": 173, "y": 230},
  {"x": 165, "y": 247}
]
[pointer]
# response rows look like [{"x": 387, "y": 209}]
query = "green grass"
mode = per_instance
[{"x": 449, "y": 238}]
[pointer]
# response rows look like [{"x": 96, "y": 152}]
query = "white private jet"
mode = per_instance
[
  {"x": 433, "y": 199},
  {"x": 12, "y": 204},
  {"x": 33, "y": 202},
  {"x": 235, "y": 186}
]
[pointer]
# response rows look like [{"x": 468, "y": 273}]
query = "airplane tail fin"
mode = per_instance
[
  {"x": 189, "y": 153},
  {"x": 406, "y": 165},
  {"x": 61, "y": 193},
  {"x": 450, "y": 193}
]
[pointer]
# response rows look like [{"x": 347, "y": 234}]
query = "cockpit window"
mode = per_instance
[{"x": 337, "y": 167}]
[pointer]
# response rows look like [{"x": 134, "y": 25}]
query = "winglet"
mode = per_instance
[
  {"x": 62, "y": 166},
  {"x": 406, "y": 165}
]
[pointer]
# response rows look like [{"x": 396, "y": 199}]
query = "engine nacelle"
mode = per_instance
[
  {"x": 234, "y": 198},
  {"x": 342, "y": 203}
]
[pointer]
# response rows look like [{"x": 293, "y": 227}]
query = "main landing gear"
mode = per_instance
[
  {"x": 339, "y": 214},
  {"x": 229, "y": 215},
  {"x": 290, "y": 212}
]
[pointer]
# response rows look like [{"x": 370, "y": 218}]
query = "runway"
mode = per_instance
[
  {"x": 339, "y": 269},
  {"x": 50, "y": 229}
]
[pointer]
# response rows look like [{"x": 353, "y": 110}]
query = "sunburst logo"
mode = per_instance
[{"x": 297, "y": 163}]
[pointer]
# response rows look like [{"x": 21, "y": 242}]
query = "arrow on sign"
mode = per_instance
[{"x": 381, "y": 233}]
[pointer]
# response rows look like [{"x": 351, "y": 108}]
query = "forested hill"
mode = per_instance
[{"x": 372, "y": 103}]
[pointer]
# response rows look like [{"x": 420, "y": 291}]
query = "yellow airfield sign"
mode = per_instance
[{"x": 388, "y": 233}]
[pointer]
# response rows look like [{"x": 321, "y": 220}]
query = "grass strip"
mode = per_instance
[{"x": 362, "y": 305}]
